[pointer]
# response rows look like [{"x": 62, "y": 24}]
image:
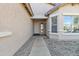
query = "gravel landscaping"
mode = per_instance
[
  {"x": 62, "y": 48},
  {"x": 26, "y": 48}
]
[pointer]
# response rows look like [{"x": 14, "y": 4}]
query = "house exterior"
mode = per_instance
[
  {"x": 18, "y": 24},
  {"x": 64, "y": 21}
]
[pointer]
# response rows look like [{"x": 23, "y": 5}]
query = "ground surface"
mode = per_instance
[
  {"x": 62, "y": 48},
  {"x": 26, "y": 48},
  {"x": 42, "y": 46},
  {"x": 33, "y": 47},
  {"x": 39, "y": 47}
]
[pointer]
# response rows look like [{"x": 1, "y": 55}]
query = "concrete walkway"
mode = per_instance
[{"x": 39, "y": 47}]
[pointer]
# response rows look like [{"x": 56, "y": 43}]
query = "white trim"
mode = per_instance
[
  {"x": 51, "y": 23},
  {"x": 54, "y": 33},
  {"x": 65, "y": 33},
  {"x": 71, "y": 14},
  {"x": 52, "y": 15},
  {"x": 70, "y": 34}
]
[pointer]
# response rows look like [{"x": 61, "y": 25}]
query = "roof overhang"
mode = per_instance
[
  {"x": 56, "y": 7},
  {"x": 52, "y": 4},
  {"x": 28, "y": 8}
]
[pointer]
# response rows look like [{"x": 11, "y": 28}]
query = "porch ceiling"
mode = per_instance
[{"x": 40, "y": 8}]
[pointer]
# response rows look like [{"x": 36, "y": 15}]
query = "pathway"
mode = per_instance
[
  {"x": 39, "y": 48},
  {"x": 34, "y": 47}
]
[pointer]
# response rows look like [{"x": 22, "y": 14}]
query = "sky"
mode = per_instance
[{"x": 67, "y": 19}]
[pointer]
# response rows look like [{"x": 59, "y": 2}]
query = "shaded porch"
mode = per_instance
[{"x": 39, "y": 25}]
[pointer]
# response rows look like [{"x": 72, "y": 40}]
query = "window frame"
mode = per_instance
[
  {"x": 73, "y": 16},
  {"x": 54, "y": 24}
]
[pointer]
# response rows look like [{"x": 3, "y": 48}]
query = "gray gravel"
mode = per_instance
[
  {"x": 26, "y": 48},
  {"x": 62, "y": 48}
]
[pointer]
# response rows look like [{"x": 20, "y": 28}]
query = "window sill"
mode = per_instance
[
  {"x": 54, "y": 33},
  {"x": 70, "y": 33}
]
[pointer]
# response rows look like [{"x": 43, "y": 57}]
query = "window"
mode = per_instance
[
  {"x": 54, "y": 24},
  {"x": 67, "y": 23},
  {"x": 42, "y": 27},
  {"x": 71, "y": 24}
]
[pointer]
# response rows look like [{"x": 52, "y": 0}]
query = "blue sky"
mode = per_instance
[{"x": 67, "y": 19}]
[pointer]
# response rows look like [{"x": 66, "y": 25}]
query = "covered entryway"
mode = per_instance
[{"x": 39, "y": 26}]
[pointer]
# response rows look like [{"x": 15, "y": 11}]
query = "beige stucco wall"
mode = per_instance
[
  {"x": 47, "y": 27},
  {"x": 69, "y": 8},
  {"x": 14, "y": 18},
  {"x": 36, "y": 27}
]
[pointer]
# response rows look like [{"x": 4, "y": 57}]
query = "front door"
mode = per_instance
[
  {"x": 43, "y": 28},
  {"x": 39, "y": 27}
]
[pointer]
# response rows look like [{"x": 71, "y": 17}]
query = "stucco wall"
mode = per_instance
[
  {"x": 14, "y": 18},
  {"x": 47, "y": 27},
  {"x": 69, "y": 8},
  {"x": 36, "y": 27}
]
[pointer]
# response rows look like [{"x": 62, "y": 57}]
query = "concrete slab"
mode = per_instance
[{"x": 39, "y": 48}]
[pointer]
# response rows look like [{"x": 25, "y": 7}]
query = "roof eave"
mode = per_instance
[
  {"x": 53, "y": 9},
  {"x": 28, "y": 8}
]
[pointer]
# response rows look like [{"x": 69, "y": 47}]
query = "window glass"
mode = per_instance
[
  {"x": 54, "y": 24},
  {"x": 67, "y": 23},
  {"x": 75, "y": 24},
  {"x": 71, "y": 24}
]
